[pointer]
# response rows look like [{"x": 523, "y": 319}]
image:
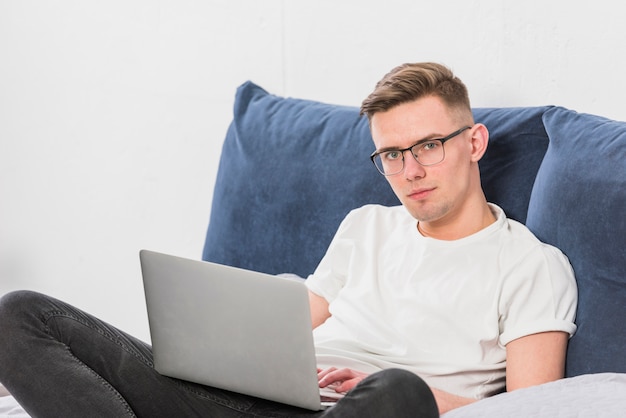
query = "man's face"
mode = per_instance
[{"x": 432, "y": 194}]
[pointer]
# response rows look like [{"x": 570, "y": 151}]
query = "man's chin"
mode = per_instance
[{"x": 424, "y": 214}]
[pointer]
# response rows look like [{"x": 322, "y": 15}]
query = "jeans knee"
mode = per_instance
[
  {"x": 401, "y": 378},
  {"x": 17, "y": 308},
  {"x": 16, "y": 302},
  {"x": 14, "y": 318},
  {"x": 390, "y": 392},
  {"x": 410, "y": 390}
]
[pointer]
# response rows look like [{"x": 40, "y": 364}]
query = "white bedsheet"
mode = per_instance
[
  {"x": 601, "y": 395},
  {"x": 9, "y": 408}
]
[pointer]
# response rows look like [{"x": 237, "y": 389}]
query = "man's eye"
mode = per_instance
[
  {"x": 392, "y": 155},
  {"x": 429, "y": 146}
]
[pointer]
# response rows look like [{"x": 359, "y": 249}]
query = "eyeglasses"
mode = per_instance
[{"x": 426, "y": 152}]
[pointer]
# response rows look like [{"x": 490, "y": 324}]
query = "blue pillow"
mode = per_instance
[
  {"x": 578, "y": 204},
  {"x": 290, "y": 171},
  {"x": 517, "y": 144}
]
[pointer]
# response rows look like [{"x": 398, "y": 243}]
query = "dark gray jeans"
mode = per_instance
[{"x": 58, "y": 361}]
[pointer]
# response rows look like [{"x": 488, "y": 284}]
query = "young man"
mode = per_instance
[{"x": 443, "y": 288}]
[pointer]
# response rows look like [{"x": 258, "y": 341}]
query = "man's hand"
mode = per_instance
[{"x": 342, "y": 379}]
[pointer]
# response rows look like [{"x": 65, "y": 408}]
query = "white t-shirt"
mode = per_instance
[{"x": 444, "y": 310}]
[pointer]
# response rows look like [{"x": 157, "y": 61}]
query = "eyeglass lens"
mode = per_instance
[{"x": 426, "y": 153}]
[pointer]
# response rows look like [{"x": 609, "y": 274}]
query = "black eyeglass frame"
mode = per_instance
[{"x": 402, "y": 151}]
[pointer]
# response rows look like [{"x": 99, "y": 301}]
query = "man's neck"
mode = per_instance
[{"x": 461, "y": 226}]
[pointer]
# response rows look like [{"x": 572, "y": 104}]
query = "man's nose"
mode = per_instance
[{"x": 412, "y": 169}]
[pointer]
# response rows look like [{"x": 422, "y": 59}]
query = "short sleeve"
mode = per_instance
[{"x": 539, "y": 295}]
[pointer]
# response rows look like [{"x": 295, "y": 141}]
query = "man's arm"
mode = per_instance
[
  {"x": 447, "y": 401},
  {"x": 347, "y": 379},
  {"x": 319, "y": 309},
  {"x": 530, "y": 360},
  {"x": 535, "y": 359}
]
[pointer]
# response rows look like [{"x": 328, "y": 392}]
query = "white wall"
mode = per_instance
[{"x": 112, "y": 112}]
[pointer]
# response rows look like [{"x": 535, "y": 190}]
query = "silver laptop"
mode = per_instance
[{"x": 233, "y": 329}]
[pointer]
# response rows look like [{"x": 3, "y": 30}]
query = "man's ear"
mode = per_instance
[{"x": 479, "y": 141}]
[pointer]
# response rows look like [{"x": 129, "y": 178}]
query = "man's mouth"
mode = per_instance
[{"x": 421, "y": 193}]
